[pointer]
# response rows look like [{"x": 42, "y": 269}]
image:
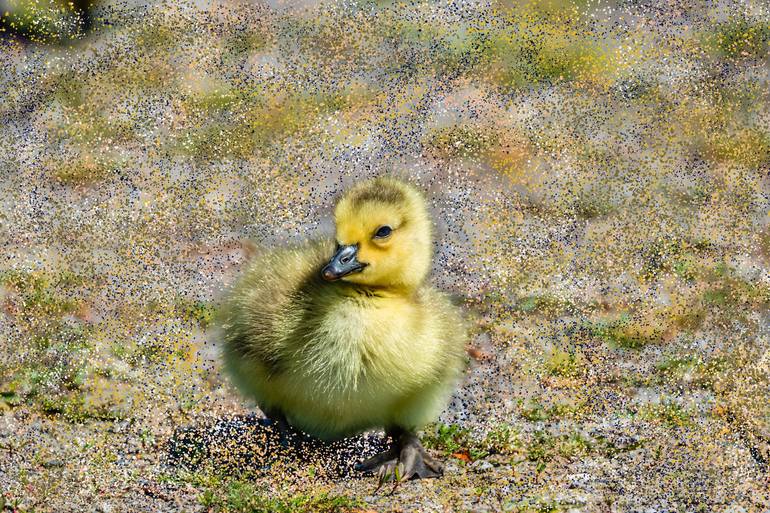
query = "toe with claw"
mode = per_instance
[{"x": 405, "y": 459}]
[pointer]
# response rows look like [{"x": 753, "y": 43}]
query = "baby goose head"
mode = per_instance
[{"x": 383, "y": 235}]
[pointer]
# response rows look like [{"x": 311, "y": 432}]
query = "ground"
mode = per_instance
[{"x": 598, "y": 174}]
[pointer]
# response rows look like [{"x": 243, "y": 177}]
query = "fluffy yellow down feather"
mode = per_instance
[{"x": 378, "y": 347}]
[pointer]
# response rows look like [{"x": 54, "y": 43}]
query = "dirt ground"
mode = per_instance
[{"x": 598, "y": 175}]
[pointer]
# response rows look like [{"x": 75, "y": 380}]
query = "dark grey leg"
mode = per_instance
[
  {"x": 405, "y": 459},
  {"x": 416, "y": 461},
  {"x": 277, "y": 418},
  {"x": 386, "y": 458},
  {"x": 286, "y": 431}
]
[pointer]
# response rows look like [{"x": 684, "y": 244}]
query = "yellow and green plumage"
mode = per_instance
[{"x": 378, "y": 348}]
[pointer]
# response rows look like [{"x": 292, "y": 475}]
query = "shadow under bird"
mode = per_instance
[{"x": 335, "y": 339}]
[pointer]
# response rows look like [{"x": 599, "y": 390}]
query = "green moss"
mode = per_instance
[
  {"x": 541, "y": 450},
  {"x": 563, "y": 58},
  {"x": 154, "y": 34},
  {"x": 216, "y": 141},
  {"x": 446, "y": 48},
  {"x": 543, "y": 447},
  {"x": 43, "y": 293},
  {"x": 245, "y": 42},
  {"x": 547, "y": 304},
  {"x": 685, "y": 267},
  {"x": 668, "y": 412},
  {"x": 659, "y": 255},
  {"x": 446, "y": 438},
  {"x": 632, "y": 340},
  {"x": 537, "y": 505},
  {"x": 9, "y": 397},
  {"x": 70, "y": 92},
  {"x": 678, "y": 366},
  {"x": 731, "y": 296},
  {"x": 717, "y": 296},
  {"x": 540, "y": 47},
  {"x": 227, "y": 125},
  {"x": 535, "y": 411},
  {"x": 738, "y": 38},
  {"x": 574, "y": 445},
  {"x": 52, "y": 372},
  {"x": 155, "y": 349},
  {"x": 501, "y": 439},
  {"x": 626, "y": 333},
  {"x": 74, "y": 407},
  {"x": 214, "y": 102},
  {"x": 89, "y": 124},
  {"x": 690, "y": 370},
  {"x": 199, "y": 312},
  {"x": 83, "y": 170},
  {"x": 747, "y": 147},
  {"x": 688, "y": 316},
  {"x": 461, "y": 141},
  {"x": 151, "y": 75},
  {"x": 610, "y": 449},
  {"x": 42, "y": 21},
  {"x": 565, "y": 364},
  {"x": 235, "y": 495},
  {"x": 594, "y": 203}
]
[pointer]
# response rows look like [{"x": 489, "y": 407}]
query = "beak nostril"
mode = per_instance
[{"x": 342, "y": 263}]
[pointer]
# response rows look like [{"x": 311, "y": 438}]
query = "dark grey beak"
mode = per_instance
[{"x": 342, "y": 263}]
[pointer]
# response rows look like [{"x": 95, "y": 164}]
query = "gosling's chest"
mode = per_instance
[
  {"x": 369, "y": 326},
  {"x": 356, "y": 342}
]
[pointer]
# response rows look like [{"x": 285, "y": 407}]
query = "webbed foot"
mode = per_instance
[{"x": 405, "y": 459}]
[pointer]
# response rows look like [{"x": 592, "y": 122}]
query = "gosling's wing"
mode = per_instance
[
  {"x": 269, "y": 302},
  {"x": 444, "y": 331},
  {"x": 449, "y": 327}
]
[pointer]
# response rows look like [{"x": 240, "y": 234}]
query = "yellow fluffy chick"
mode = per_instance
[{"x": 335, "y": 339}]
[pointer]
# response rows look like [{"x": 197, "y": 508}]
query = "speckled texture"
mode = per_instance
[{"x": 598, "y": 173}]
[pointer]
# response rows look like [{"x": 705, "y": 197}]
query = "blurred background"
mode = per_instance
[{"x": 598, "y": 171}]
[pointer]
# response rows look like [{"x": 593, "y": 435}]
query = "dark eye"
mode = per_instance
[{"x": 382, "y": 232}]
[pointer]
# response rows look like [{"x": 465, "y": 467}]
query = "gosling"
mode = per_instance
[{"x": 337, "y": 339}]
